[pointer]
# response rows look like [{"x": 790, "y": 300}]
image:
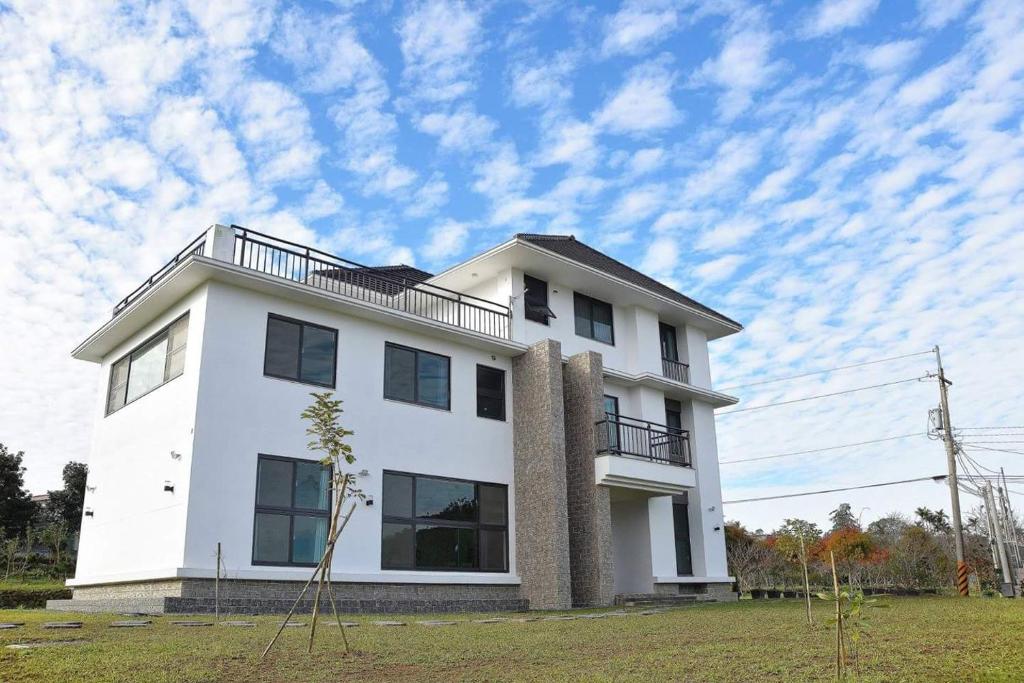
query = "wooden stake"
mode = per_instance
[
  {"x": 216, "y": 588},
  {"x": 807, "y": 583}
]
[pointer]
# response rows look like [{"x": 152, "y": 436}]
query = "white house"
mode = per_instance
[{"x": 534, "y": 427}]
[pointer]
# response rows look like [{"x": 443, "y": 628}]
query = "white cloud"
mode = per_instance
[
  {"x": 719, "y": 269},
  {"x": 891, "y": 56},
  {"x": 462, "y": 130},
  {"x": 440, "y": 40},
  {"x": 568, "y": 141},
  {"x": 636, "y": 204},
  {"x": 637, "y": 26},
  {"x": 447, "y": 240},
  {"x": 938, "y": 13},
  {"x": 646, "y": 160},
  {"x": 542, "y": 84},
  {"x": 742, "y": 68},
  {"x": 833, "y": 16},
  {"x": 643, "y": 103},
  {"x": 661, "y": 258}
]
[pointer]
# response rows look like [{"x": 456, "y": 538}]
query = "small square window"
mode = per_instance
[{"x": 300, "y": 351}]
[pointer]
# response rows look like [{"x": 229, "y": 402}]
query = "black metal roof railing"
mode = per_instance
[{"x": 318, "y": 269}]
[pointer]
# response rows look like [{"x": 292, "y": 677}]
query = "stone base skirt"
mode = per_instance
[
  {"x": 197, "y": 596},
  {"x": 719, "y": 592}
]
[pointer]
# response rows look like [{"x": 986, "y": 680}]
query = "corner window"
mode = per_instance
[
  {"x": 156, "y": 361},
  {"x": 292, "y": 511},
  {"x": 300, "y": 351},
  {"x": 490, "y": 392},
  {"x": 432, "y": 523},
  {"x": 535, "y": 300},
  {"x": 415, "y": 376},
  {"x": 593, "y": 318}
]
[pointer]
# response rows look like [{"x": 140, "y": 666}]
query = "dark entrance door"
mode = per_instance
[{"x": 681, "y": 520}]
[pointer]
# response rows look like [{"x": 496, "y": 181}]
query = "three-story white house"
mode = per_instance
[{"x": 534, "y": 427}]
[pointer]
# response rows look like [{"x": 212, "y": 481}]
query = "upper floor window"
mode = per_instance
[
  {"x": 292, "y": 511},
  {"x": 535, "y": 300},
  {"x": 416, "y": 376},
  {"x": 490, "y": 392},
  {"x": 159, "y": 359},
  {"x": 300, "y": 351},
  {"x": 443, "y": 524},
  {"x": 593, "y": 318}
]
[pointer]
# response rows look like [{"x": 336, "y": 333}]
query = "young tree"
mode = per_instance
[
  {"x": 793, "y": 539},
  {"x": 9, "y": 551},
  {"x": 65, "y": 505},
  {"x": 745, "y": 553},
  {"x": 843, "y": 518},
  {"x": 16, "y": 505},
  {"x": 328, "y": 438}
]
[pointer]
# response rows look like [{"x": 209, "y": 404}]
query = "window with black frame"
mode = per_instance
[
  {"x": 415, "y": 376},
  {"x": 152, "y": 364},
  {"x": 535, "y": 300},
  {"x": 593, "y": 318},
  {"x": 300, "y": 351},
  {"x": 435, "y": 523},
  {"x": 490, "y": 392},
  {"x": 292, "y": 511},
  {"x": 611, "y": 412},
  {"x": 681, "y": 524}
]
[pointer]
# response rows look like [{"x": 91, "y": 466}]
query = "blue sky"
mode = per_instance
[{"x": 843, "y": 176}]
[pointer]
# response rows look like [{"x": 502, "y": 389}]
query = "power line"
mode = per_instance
[
  {"x": 818, "y": 450},
  {"x": 822, "y": 372},
  {"x": 938, "y": 477},
  {"x": 988, "y": 428},
  {"x": 835, "y": 393},
  {"x": 1000, "y": 450}
]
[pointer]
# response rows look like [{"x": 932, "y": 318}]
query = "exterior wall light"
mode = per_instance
[
  {"x": 175, "y": 455},
  {"x": 88, "y": 512},
  {"x": 168, "y": 486}
]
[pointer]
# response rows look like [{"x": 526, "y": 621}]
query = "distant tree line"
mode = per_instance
[
  {"x": 893, "y": 553},
  {"x": 38, "y": 540}
]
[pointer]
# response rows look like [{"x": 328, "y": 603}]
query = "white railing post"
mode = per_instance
[{"x": 220, "y": 243}]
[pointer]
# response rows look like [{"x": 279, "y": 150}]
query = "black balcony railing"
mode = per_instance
[
  {"x": 284, "y": 259},
  {"x": 195, "y": 247},
  {"x": 676, "y": 370},
  {"x": 620, "y": 435}
]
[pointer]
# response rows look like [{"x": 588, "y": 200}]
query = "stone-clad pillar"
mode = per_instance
[
  {"x": 591, "y": 554},
  {"x": 542, "y": 529}
]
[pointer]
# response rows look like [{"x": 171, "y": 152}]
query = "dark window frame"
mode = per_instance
[
  {"x": 669, "y": 331},
  {"x": 302, "y": 331},
  {"x": 590, "y": 302},
  {"x": 682, "y": 501},
  {"x": 500, "y": 394},
  {"x": 290, "y": 511},
  {"x": 414, "y": 521},
  {"x": 163, "y": 331},
  {"x": 416, "y": 377},
  {"x": 538, "y": 310}
]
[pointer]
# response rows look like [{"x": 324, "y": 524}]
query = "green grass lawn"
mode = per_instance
[{"x": 916, "y": 639}]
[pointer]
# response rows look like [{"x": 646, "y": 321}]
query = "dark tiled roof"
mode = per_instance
[
  {"x": 571, "y": 248},
  {"x": 385, "y": 279}
]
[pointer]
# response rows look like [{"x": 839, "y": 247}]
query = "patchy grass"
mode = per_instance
[{"x": 917, "y": 639}]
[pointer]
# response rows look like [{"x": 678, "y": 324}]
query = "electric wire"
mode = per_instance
[
  {"x": 813, "y": 398},
  {"x": 1000, "y": 450},
  {"x": 822, "y": 372},
  {"x": 936, "y": 478},
  {"x": 818, "y": 450}
]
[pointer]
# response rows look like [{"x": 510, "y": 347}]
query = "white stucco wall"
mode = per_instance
[
  {"x": 631, "y": 538},
  {"x": 136, "y": 527},
  {"x": 242, "y": 413}
]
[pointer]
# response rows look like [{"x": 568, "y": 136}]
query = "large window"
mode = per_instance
[
  {"x": 292, "y": 510},
  {"x": 300, "y": 351},
  {"x": 159, "y": 359},
  {"x": 490, "y": 392},
  {"x": 416, "y": 376},
  {"x": 536, "y": 300},
  {"x": 593, "y": 318},
  {"x": 443, "y": 524}
]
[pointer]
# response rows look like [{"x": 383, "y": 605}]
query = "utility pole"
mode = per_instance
[
  {"x": 1004, "y": 497},
  {"x": 1009, "y": 590},
  {"x": 954, "y": 490}
]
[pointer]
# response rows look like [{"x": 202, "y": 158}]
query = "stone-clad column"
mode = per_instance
[
  {"x": 591, "y": 554},
  {"x": 542, "y": 529}
]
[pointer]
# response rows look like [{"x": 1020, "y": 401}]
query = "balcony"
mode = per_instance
[
  {"x": 319, "y": 270},
  {"x": 620, "y": 435},
  {"x": 675, "y": 370}
]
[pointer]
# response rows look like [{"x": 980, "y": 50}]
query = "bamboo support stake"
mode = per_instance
[
  {"x": 840, "y": 645},
  {"x": 807, "y": 583}
]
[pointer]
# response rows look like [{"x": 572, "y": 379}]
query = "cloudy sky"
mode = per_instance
[{"x": 844, "y": 177}]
